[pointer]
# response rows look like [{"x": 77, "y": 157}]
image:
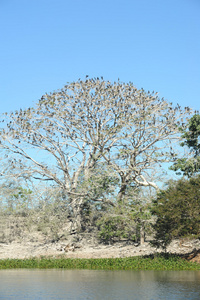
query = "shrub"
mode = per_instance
[{"x": 178, "y": 212}]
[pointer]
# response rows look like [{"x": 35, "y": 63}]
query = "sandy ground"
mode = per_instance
[
  {"x": 20, "y": 250},
  {"x": 64, "y": 249}
]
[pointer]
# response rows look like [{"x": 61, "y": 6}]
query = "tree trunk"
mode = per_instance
[
  {"x": 76, "y": 206},
  {"x": 142, "y": 234},
  {"x": 122, "y": 191}
]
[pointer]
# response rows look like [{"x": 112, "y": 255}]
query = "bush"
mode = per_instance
[
  {"x": 178, "y": 212},
  {"x": 116, "y": 228}
]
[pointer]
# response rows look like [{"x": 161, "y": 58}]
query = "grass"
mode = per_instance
[{"x": 158, "y": 262}]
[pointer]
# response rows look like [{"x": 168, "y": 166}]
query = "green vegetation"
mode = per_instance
[
  {"x": 190, "y": 166},
  {"x": 158, "y": 262},
  {"x": 178, "y": 212},
  {"x": 125, "y": 221}
]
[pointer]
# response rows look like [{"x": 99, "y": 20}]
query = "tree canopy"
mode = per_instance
[
  {"x": 72, "y": 132},
  {"x": 191, "y": 139}
]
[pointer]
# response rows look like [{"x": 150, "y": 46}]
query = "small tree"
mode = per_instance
[
  {"x": 128, "y": 219},
  {"x": 15, "y": 199},
  {"x": 191, "y": 136},
  {"x": 177, "y": 210}
]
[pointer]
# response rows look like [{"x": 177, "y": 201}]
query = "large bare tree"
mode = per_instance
[{"x": 72, "y": 130}]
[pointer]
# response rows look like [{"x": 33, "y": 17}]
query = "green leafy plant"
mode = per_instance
[
  {"x": 158, "y": 262},
  {"x": 178, "y": 212},
  {"x": 191, "y": 139}
]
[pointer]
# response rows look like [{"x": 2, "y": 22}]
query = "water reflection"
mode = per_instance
[{"x": 85, "y": 284}]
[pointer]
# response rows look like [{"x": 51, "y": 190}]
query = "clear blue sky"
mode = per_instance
[{"x": 45, "y": 43}]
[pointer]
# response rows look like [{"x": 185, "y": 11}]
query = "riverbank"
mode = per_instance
[{"x": 83, "y": 250}]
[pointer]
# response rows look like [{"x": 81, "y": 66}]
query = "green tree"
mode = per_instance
[
  {"x": 191, "y": 136},
  {"x": 128, "y": 219},
  {"x": 177, "y": 212}
]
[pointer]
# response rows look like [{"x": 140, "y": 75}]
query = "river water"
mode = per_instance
[{"x": 99, "y": 285}]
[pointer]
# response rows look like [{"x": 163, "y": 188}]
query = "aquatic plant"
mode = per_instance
[{"x": 151, "y": 262}]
